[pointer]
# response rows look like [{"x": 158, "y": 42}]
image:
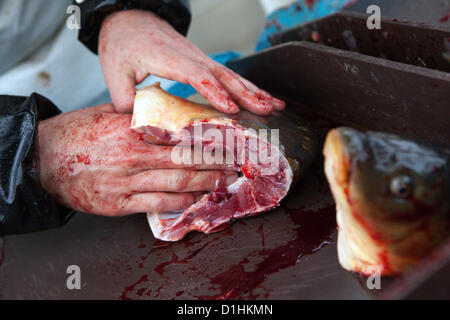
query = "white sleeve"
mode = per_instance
[
  {"x": 270, "y": 6},
  {"x": 25, "y": 25}
]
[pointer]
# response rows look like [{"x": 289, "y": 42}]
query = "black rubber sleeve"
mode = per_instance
[
  {"x": 24, "y": 205},
  {"x": 93, "y": 12}
]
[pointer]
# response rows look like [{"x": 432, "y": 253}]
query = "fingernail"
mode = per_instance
[
  {"x": 278, "y": 104},
  {"x": 232, "y": 106}
]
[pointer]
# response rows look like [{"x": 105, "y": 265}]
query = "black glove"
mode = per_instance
[
  {"x": 24, "y": 205},
  {"x": 93, "y": 12}
]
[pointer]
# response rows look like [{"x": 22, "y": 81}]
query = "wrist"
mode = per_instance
[{"x": 35, "y": 162}]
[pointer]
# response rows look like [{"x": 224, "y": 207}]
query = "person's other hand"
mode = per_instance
[
  {"x": 134, "y": 44},
  {"x": 91, "y": 161}
]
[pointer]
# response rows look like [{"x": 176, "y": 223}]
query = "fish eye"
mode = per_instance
[{"x": 402, "y": 186}]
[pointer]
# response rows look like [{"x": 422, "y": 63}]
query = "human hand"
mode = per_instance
[
  {"x": 134, "y": 44},
  {"x": 91, "y": 161}
]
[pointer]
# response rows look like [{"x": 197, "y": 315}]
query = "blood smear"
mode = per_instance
[
  {"x": 314, "y": 230},
  {"x": 310, "y": 3}
]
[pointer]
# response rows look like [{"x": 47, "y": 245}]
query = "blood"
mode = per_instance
[
  {"x": 177, "y": 260},
  {"x": 160, "y": 244},
  {"x": 249, "y": 171},
  {"x": 130, "y": 289},
  {"x": 276, "y": 24},
  {"x": 445, "y": 18},
  {"x": 349, "y": 3},
  {"x": 140, "y": 136},
  {"x": 315, "y": 36},
  {"x": 220, "y": 194},
  {"x": 313, "y": 231},
  {"x": 98, "y": 117},
  {"x": 159, "y": 269},
  {"x": 310, "y": 3},
  {"x": 83, "y": 158}
]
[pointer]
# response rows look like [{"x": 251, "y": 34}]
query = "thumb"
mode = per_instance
[{"x": 122, "y": 87}]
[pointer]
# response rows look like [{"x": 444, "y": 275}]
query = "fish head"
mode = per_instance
[{"x": 392, "y": 197}]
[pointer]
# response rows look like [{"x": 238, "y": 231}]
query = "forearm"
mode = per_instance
[
  {"x": 93, "y": 12},
  {"x": 24, "y": 205}
]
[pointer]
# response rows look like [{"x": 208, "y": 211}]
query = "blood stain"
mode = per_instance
[
  {"x": 314, "y": 230},
  {"x": 179, "y": 293},
  {"x": 83, "y": 158},
  {"x": 130, "y": 289},
  {"x": 309, "y": 3},
  {"x": 445, "y": 18}
]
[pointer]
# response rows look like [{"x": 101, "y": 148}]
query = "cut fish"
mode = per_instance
[{"x": 269, "y": 162}]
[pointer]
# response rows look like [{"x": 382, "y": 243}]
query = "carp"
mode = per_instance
[{"x": 392, "y": 196}]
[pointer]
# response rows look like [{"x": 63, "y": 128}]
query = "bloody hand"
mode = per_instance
[
  {"x": 134, "y": 44},
  {"x": 90, "y": 161}
]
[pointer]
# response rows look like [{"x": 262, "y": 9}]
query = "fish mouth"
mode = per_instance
[
  {"x": 337, "y": 158},
  {"x": 357, "y": 250},
  {"x": 343, "y": 148}
]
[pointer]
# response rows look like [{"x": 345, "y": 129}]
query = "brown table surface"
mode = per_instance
[{"x": 269, "y": 256}]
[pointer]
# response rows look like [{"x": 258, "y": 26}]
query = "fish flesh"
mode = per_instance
[
  {"x": 392, "y": 195},
  {"x": 268, "y": 164}
]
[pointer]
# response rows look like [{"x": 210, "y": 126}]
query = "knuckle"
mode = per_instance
[{"x": 179, "y": 182}]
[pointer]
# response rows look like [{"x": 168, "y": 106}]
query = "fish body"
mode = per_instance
[
  {"x": 392, "y": 196},
  {"x": 166, "y": 119}
]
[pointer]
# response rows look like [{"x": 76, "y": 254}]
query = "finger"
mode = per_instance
[
  {"x": 246, "y": 98},
  {"x": 155, "y": 139},
  {"x": 159, "y": 202},
  {"x": 208, "y": 86},
  {"x": 189, "y": 49},
  {"x": 194, "y": 53},
  {"x": 278, "y": 104},
  {"x": 249, "y": 96},
  {"x": 180, "y": 180},
  {"x": 104, "y": 108},
  {"x": 145, "y": 156},
  {"x": 122, "y": 87},
  {"x": 244, "y": 95},
  {"x": 173, "y": 65}
]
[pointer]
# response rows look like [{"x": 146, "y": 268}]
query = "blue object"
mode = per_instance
[{"x": 299, "y": 12}]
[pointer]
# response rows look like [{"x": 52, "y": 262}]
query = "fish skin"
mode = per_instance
[
  {"x": 377, "y": 226},
  {"x": 170, "y": 116}
]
